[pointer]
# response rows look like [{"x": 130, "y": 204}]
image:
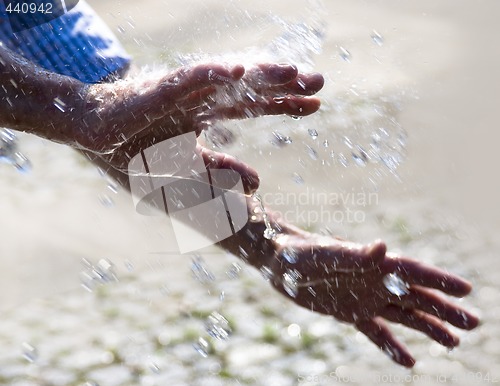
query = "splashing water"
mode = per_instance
[
  {"x": 233, "y": 272},
  {"x": 344, "y": 54},
  {"x": 200, "y": 271},
  {"x": 202, "y": 347},
  {"x": 269, "y": 233},
  {"x": 377, "y": 38},
  {"x": 395, "y": 285},
  {"x": 217, "y": 326},
  {"x": 97, "y": 274},
  {"x": 30, "y": 353},
  {"x": 290, "y": 282},
  {"x": 9, "y": 151},
  {"x": 290, "y": 255}
]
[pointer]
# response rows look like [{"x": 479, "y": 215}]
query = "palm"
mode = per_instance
[
  {"x": 131, "y": 117},
  {"x": 350, "y": 282}
]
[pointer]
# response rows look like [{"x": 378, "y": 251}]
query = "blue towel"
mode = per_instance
[{"x": 77, "y": 44}]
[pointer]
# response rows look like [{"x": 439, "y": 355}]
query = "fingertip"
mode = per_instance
[
  {"x": 317, "y": 81},
  {"x": 251, "y": 183},
  {"x": 471, "y": 322},
  {"x": 408, "y": 361},
  {"x": 237, "y": 72}
]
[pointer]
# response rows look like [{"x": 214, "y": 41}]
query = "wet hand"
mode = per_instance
[
  {"x": 124, "y": 117},
  {"x": 367, "y": 287}
]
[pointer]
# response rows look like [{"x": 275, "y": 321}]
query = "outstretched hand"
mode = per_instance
[
  {"x": 352, "y": 283},
  {"x": 125, "y": 117}
]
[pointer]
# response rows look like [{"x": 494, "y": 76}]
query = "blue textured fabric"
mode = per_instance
[{"x": 77, "y": 44}]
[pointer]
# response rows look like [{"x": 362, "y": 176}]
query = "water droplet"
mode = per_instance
[
  {"x": 266, "y": 272},
  {"x": 313, "y": 154},
  {"x": 106, "y": 201},
  {"x": 30, "y": 353},
  {"x": 113, "y": 186},
  {"x": 97, "y": 274},
  {"x": 9, "y": 151},
  {"x": 61, "y": 106},
  {"x": 280, "y": 140},
  {"x": 296, "y": 117},
  {"x": 290, "y": 282},
  {"x": 202, "y": 347},
  {"x": 313, "y": 133},
  {"x": 290, "y": 255},
  {"x": 344, "y": 54},
  {"x": 154, "y": 367},
  {"x": 297, "y": 178},
  {"x": 217, "y": 326},
  {"x": 128, "y": 265},
  {"x": 8, "y": 144},
  {"x": 200, "y": 271},
  {"x": 343, "y": 160},
  {"x": 294, "y": 330},
  {"x": 311, "y": 291},
  {"x": 233, "y": 272},
  {"x": 243, "y": 253},
  {"x": 358, "y": 160},
  {"x": 269, "y": 234},
  {"x": 395, "y": 285},
  {"x": 325, "y": 143},
  {"x": 21, "y": 163},
  {"x": 348, "y": 142},
  {"x": 377, "y": 38}
]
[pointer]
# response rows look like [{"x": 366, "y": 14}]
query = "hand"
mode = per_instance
[
  {"x": 123, "y": 118},
  {"x": 346, "y": 280}
]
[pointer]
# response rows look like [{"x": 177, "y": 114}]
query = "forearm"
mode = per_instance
[
  {"x": 38, "y": 101},
  {"x": 249, "y": 243}
]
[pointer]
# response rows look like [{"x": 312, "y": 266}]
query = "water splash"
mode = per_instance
[
  {"x": 344, "y": 54},
  {"x": 377, "y": 38},
  {"x": 290, "y": 255},
  {"x": 217, "y": 326},
  {"x": 269, "y": 233},
  {"x": 29, "y": 352},
  {"x": 200, "y": 270},
  {"x": 395, "y": 285},
  {"x": 233, "y": 272},
  {"x": 97, "y": 274},
  {"x": 202, "y": 347},
  {"x": 290, "y": 282},
  {"x": 313, "y": 133},
  {"x": 9, "y": 152}
]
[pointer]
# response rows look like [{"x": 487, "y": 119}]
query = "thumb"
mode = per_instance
[{"x": 217, "y": 160}]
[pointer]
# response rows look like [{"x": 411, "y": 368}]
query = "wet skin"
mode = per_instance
[{"x": 111, "y": 123}]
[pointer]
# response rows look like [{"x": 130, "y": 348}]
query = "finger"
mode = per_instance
[
  {"x": 414, "y": 272},
  {"x": 183, "y": 82},
  {"x": 303, "y": 84},
  {"x": 290, "y": 105},
  {"x": 426, "y": 300},
  {"x": 378, "y": 332},
  {"x": 143, "y": 108},
  {"x": 216, "y": 160},
  {"x": 420, "y": 321},
  {"x": 267, "y": 74}
]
